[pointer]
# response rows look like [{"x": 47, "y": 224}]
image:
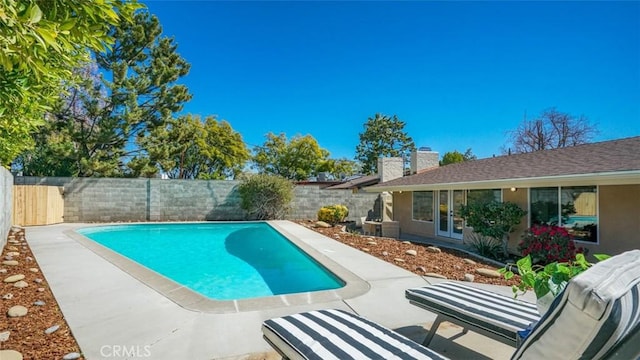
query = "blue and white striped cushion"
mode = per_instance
[
  {"x": 493, "y": 312},
  {"x": 339, "y": 335},
  {"x": 597, "y": 309}
]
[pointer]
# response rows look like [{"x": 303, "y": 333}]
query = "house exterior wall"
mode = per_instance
[{"x": 618, "y": 219}]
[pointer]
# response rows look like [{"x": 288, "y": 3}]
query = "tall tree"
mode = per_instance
[
  {"x": 107, "y": 120},
  {"x": 383, "y": 136},
  {"x": 40, "y": 43},
  {"x": 456, "y": 157},
  {"x": 296, "y": 159},
  {"x": 189, "y": 148},
  {"x": 550, "y": 130},
  {"x": 338, "y": 168}
]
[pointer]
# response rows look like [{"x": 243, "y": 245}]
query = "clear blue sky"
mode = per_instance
[{"x": 460, "y": 74}]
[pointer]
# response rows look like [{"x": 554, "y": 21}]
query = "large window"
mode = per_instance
[
  {"x": 483, "y": 196},
  {"x": 423, "y": 205},
  {"x": 573, "y": 207}
]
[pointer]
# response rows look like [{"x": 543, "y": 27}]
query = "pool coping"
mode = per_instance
[{"x": 194, "y": 301}]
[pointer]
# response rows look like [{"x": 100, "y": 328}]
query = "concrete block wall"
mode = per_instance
[
  {"x": 6, "y": 203},
  {"x": 110, "y": 199}
]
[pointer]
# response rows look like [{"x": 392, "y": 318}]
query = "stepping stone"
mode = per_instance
[
  {"x": 411, "y": 252},
  {"x": 14, "y": 278},
  {"x": 10, "y": 355},
  {"x": 4, "y": 336},
  {"x": 488, "y": 273},
  {"x": 10, "y": 263},
  {"x": 21, "y": 284},
  {"x": 52, "y": 329},
  {"x": 17, "y": 311},
  {"x": 71, "y": 356}
]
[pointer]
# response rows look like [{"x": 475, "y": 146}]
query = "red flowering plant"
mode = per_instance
[{"x": 546, "y": 244}]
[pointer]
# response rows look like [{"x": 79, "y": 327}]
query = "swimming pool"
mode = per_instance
[{"x": 221, "y": 261}]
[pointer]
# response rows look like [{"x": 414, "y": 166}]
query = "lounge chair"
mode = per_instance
[
  {"x": 494, "y": 315},
  {"x": 597, "y": 316}
]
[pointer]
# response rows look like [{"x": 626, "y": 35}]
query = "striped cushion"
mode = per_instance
[
  {"x": 595, "y": 312},
  {"x": 487, "y": 310},
  {"x": 336, "y": 334}
]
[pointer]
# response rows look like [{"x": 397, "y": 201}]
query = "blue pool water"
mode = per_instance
[{"x": 222, "y": 261}]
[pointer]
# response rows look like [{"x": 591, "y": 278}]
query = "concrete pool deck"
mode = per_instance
[{"x": 108, "y": 309}]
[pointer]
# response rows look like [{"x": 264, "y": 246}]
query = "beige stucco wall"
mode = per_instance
[{"x": 618, "y": 218}]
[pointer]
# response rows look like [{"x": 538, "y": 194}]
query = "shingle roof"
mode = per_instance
[
  {"x": 358, "y": 182},
  {"x": 622, "y": 155}
]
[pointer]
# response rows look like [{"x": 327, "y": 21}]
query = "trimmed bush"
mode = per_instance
[
  {"x": 547, "y": 244},
  {"x": 333, "y": 214},
  {"x": 265, "y": 197}
]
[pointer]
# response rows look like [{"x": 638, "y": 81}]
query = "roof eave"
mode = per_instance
[{"x": 603, "y": 178}]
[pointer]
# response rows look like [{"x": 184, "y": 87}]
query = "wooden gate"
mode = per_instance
[{"x": 37, "y": 205}]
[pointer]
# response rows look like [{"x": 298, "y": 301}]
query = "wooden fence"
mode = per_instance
[{"x": 37, "y": 205}]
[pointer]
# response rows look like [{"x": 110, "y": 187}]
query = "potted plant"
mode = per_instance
[{"x": 547, "y": 281}]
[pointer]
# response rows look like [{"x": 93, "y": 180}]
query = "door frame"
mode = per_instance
[{"x": 451, "y": 208}]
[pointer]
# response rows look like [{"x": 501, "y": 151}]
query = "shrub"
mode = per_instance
[
  {"x": 547, "y": 244},
  {"x": 265, "y": 197},
  {"x": 485, "y": 246},
  {"x": 333, "y": 214}
]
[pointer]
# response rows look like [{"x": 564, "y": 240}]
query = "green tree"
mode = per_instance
[
  {"x": 338, "y": 168},
  {"x": 265, "y": 196},
  {"x": 383, "y": 136},
  {"x": 296, "y": 159},
  {"x": 493, "y": 219},
  {"x": 41, "y": 42},
  {"x": 189, "y": 148},
  {"x": 105, "y": 122},
  {"x": 456, "y": 157}
]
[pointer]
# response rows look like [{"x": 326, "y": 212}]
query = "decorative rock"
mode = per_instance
[
  {"x": 39, "y": 303},
  {"x": 40, "y": 289},
  {"x": 384, "y": 253},
  {"x": 8, "y": 296},
  {"x": 457, "y": 267},
  {"x": 10, "y": 262},
  {"x": 14, "y": 278},
  {"x": 21, "y": 284},
  {"x": 406, "y": 242},
  {"x": 10, "y": 355},
  {"x": 71, "y": 356},
  {"x": 372, "y": 243},
  {"x": 421, "y": 268},
  {"x": 322, "y": 224},
  {"x": 29, "y": 258},
  {"x": 488, "y": 273},
  {"x": 398, "y": 260},
  {"x": 33, "y": 270},
  {"x": 8, "y": 258},
  {"x": 433, "y": 249},
  {"x": 37, "y": 281},
  {"x": 13, "y": 253},
  {"x": 4, "y": 336},
  {"x": 3, "y": 271},
  {"x": 12, "y": 248},
  {"x": 17, "y": 311},
  {"x": 469, "y": 261},
  {"x": 435, "y": 275},
  {"x": 469, "y": 277},
  {"x": 411, "y": 252},
  {"x": 365, "y": 249},
  {"x": 52, "y": 329}
]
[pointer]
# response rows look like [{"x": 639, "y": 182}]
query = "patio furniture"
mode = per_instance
[
  {"x": 494, "y": 315},
  {"x": 597, "y": 316}
]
